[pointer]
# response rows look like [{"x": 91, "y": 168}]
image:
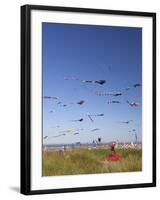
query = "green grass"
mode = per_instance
[{"x": 84, "y": 161}]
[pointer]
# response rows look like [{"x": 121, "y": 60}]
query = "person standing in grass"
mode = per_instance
[
  {"x": 113, "y": 156},
  {"x": 113, "y": 148}
]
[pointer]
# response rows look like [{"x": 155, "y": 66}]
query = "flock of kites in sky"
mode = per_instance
[{"x": 92, "y": 117}]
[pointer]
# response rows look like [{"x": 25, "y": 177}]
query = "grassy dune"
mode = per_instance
[{"x": 84, "y": 161}]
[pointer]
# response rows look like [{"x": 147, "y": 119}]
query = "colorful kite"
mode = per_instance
[
  {"x": 50, "y": 97},
  {"x": 76, "y": 133},
  {"x": 77, "y": 120},
  {"x": 99, "y": 139},
  {"x": 113, "y": 102},
  {"x": 59, "y": 135},
  {"x": 96, "y": 115},
  {"x": 133, "y": 103},
  {"x": 101, "y": 82},
  {"x": 96, "y": 129},
  {"x": 126, "y": 122},
  {"x": 137, "y": 85},
  {"x": 66, "y": 131},
  {"x": 81, "y": 102},
  {"x": 108, "y": 94},
  {"x": 116, "y": 93}
]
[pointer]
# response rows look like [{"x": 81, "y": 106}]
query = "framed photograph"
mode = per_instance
[{"x": 88, "y": 99}]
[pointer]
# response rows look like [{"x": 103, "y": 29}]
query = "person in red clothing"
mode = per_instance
[{"x": 113, "y": 156}]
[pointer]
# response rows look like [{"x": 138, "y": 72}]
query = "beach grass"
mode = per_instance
[{"x": 89, "y": 161}]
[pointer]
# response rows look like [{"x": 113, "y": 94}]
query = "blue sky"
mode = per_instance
[{"x": 91, "y": 52}]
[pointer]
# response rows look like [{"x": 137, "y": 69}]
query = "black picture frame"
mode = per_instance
[{"x": 26, "y": 98}]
